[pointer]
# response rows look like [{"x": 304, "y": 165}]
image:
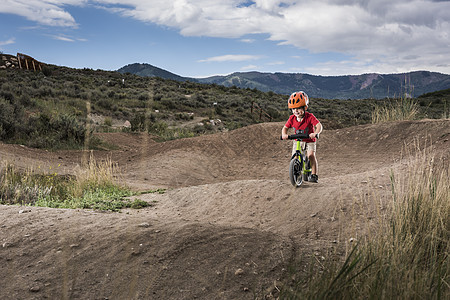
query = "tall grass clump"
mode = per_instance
[
  {"x": 399, "y": 109},
  {"x": 26, "y": 187},
  {"x": 94, "y": 186},
  {"x": 408, "y": 255},
  {"x": 95, "y": 174},
  {"x": 418, "y": 240}
]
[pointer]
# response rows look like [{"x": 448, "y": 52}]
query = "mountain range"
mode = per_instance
[{"x": 362, "y": 86}]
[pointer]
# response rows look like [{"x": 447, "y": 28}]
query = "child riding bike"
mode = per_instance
[{"x": 301, "y": 120}]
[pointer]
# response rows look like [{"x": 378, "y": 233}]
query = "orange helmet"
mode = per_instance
[{"x": 298, "y": 99}]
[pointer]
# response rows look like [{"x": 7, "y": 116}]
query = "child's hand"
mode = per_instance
[{"x": 284, "y": 136}]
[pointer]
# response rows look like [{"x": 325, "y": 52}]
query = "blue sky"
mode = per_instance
[{"x": 200, "y": 38}]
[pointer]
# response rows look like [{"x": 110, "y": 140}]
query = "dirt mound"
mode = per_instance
[{"x": 228, "y": 225}]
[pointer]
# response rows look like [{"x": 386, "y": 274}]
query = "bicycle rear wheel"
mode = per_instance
[{"x": 295, "y": 172}]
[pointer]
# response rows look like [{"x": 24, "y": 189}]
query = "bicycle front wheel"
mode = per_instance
[{"x": 295, "y": 172}]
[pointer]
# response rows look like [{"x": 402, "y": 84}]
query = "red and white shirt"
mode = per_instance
[{"x": 308, "y": 120}]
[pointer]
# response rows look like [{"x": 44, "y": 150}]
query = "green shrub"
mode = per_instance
[
  {"x": 47, "y": 71},
  {"x": 93, "y": 187},
  {"x": 137, "y": 204}
]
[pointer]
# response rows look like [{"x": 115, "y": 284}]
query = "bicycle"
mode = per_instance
[{"x": 300, "y": 166}]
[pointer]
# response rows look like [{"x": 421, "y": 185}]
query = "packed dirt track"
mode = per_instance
[{"x": 228, "y": 226}]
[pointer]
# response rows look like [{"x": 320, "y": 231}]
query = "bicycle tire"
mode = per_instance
[{"x": 295, "y": 172}]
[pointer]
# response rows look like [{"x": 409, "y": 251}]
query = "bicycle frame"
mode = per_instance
[{"x": 302, "y": 156}]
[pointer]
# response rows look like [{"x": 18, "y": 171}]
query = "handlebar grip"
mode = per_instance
[{"x": 298, "y": 136}]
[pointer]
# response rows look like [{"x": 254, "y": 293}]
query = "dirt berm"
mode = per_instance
[{"x": 228, "y": 225}]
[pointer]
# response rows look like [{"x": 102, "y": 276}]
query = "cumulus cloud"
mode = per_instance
[
  {"x": 49, "y": 13},
  {"x": 403, "y": 32},
  {"x": 370, "y": 30}
]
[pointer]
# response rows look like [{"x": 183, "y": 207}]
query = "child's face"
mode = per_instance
[{"x": 298, "y": 112}]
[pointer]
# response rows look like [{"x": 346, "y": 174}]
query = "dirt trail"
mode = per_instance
[{"x": 228, "y": 225}]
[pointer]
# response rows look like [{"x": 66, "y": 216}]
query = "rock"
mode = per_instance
[
  {"x": 35, "y": 289},
  {"x": 145, "y": 225},
  {"x": 239, "y": 272}
]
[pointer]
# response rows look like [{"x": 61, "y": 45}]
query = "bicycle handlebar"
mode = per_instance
[{"x": 299, "y": 136}]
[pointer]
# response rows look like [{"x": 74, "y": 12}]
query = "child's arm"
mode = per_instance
[
  {"x": 317, "y": 129},
  {"x": 284, "y": 134}
]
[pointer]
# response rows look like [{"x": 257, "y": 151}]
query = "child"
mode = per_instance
[{"x": 301, "y": 119}]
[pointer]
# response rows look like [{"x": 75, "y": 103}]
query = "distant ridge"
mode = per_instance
[
  {"x": 329, "y": 87},
  {"x": 147, "y": 70}
]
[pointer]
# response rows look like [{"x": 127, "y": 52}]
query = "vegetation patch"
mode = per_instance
[
  {"x": 54, "y": 109},
  {"x": 92, "y": 187},
  {"x": 406, "y": 257}
]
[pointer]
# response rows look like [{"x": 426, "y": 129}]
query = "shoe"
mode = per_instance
[{"x": 314, "y": 178}]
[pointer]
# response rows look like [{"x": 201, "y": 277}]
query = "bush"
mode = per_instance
[
  {"x": 11, "y": 118},
  {"x": 47, "y": 71},
  {"x": 105, "y": 103}
]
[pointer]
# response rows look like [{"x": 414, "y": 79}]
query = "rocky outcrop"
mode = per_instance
[{"x": 9, "y": 62}]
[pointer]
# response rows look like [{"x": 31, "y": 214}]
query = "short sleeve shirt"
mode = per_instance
[{"x": 309, "y": 120}]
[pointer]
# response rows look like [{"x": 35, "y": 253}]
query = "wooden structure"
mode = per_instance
[
  {"x": 262, "y": 114},
  {"x": 28, "y": 63}
]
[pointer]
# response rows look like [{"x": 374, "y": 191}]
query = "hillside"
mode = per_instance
[
  {"x": 230, "y": 225},
  {"x": 54, "y": 107},
  {"x": 362, "y": 86},
  {"x": 51, "y": 109},
  {"x": 340, "y": 87}
]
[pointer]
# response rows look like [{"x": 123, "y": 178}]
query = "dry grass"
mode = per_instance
[
  {"x": 95, "y": 173},
  {"x": 407, "y": 257},
  {"x": 411, "y": 249},
  {"x": 404, "y": 108},
  {"x": 95, "y": 186}
]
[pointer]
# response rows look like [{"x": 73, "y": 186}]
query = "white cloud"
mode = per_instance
[
  {"x": 63, "y": 38},
  {"x": 374, "y": 30},
  {"x": 49, "y": 13},
  {"x": 402, "y": 34},
  {"x": 231, "y": 57},
  {"x": 276, "y": 63},
  {"x": 7, "y": 42},
  {"x": 249, "y": 67}
]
